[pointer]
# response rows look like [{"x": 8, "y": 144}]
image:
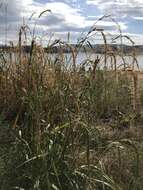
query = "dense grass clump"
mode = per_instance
[{"x": 68, "y": 126}]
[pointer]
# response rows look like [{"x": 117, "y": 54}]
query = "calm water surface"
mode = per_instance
[{"x": 82, "y": 58}]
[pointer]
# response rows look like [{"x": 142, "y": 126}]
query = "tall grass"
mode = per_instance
[{"x": 68, "y": 126}]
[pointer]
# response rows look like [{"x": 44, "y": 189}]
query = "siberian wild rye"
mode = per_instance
[{"x": 66, "y": 125}]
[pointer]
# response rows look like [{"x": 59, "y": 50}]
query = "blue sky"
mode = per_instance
[{"x": 74, "y": 16}]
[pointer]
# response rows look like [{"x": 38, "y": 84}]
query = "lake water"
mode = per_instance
[{"x": 83, "y": 58}]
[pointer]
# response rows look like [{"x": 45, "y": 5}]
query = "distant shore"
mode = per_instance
[{"x": 97, "y": 48}]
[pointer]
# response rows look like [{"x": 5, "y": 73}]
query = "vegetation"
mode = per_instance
[{"x": 68, "y": 126}]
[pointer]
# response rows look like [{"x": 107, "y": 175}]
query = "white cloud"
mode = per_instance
[
  {"x": 64, "y": 17},
  {"x": 138, "y": 18},
  {"x": 122, "y": 8}
]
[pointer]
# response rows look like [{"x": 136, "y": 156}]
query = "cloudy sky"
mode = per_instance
[{"x": 74, "y": 16}]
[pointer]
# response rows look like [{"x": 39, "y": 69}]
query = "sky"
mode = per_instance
[{"x": 70, "y": 16}]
